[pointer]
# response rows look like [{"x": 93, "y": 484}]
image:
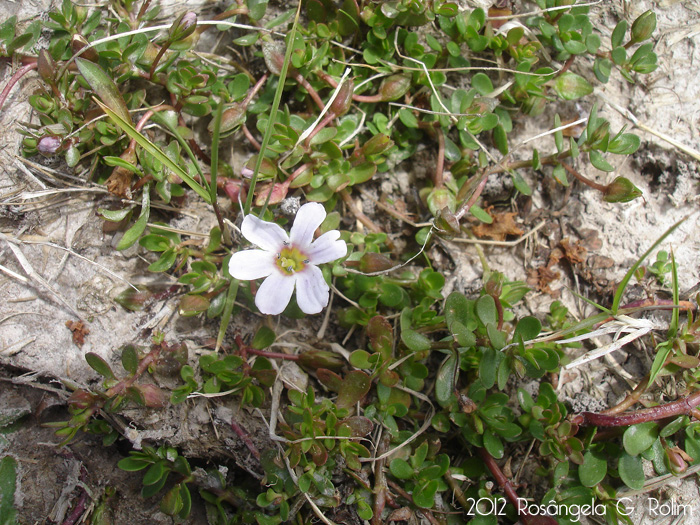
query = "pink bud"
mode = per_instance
[
  {"x": 184, "y": 26},
  {"x": 49, "y": 145}
]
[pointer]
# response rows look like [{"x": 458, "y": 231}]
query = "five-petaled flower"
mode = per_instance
[{"x": 287, "y": 261}]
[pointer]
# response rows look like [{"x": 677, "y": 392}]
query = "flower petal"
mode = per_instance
[
  {"x": 274, "y": 293},
  {"x": 312, "y": 290},
  {"x": 308, "y": 219},
  {"x": 267, "y": 235},
  {"x": 326, "y": 248},
  {"x": 251, "y": 264}
]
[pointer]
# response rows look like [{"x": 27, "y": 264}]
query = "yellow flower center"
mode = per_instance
[{"x": 291, "y": 260}]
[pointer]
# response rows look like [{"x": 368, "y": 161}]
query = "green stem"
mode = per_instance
[
  {"x": 273, "y": 114},
  {"x": 215, "y": 164}
]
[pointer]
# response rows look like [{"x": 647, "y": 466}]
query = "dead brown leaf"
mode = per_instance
[
  {"x": 503, "y": 225},
  {"x": 574, "y": 253},
  {"x": 79, "y": 332},
  {"x": 542, "y": 277},
  {"x": 119, "y": 182}
]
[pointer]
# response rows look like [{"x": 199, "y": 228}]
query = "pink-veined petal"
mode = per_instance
[
  {"x": 274, "y": 293},
  {"x": 312, "y": 290},
  {"x": 251, "y": 264},
  {"x": 308, "y": 219},
  {"x": 326, "y": 248},
  {"x": 267, "y": 235}
]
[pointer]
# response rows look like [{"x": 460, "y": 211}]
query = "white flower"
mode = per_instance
[{"x": 287, "y": 261}]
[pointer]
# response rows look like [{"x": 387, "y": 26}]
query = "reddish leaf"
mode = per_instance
[
  {"x": 355, "y": 386},
  {"x": 329, "y": 379},
  {"x": 381, "y": 335},
  {"x": 358, "y": 425}
]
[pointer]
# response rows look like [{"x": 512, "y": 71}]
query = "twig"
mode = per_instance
[
  {"x": 631, "y": 399},
  {"x": 241, "y": 433},
  {"x": 27, "y": 267},
  {"x": 14, "y": 79},
  {"x": 72, "y": 252},
  {"x": 380, "y": 483},
  {"x": 500, "y": 243},
  {"x": 585, "y": 180},
  {"x": 684, "y": 406},
  {"x": 366, "y": 221}
]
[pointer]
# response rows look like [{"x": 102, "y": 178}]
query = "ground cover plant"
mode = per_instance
[{"x": 413, "y": 402}]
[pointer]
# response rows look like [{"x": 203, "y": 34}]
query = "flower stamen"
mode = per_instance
[{"x": 291, "y": 260}]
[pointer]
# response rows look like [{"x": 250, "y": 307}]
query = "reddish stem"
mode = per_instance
[
  {"x": 251, "y": 138},
  {"x": 685, "y": 406},
  {"x": 326, "y": 120},
  {"x": 464, "y": 208},
  {"x": 399, "y": 489},
  {"x": 145, "y": 118},
  {"x": 505, "y": 485},
  {"x": 241, "y": 433},
  {"x": 630, "y": 400},
  {"x": 566, "y": 65},
  {"x": 256, "y": 88},
  {"x": 308, "y": 87},
  {"x": 144, "y": 8},
  {"x": 160, "y": 54},
  {"x": 439, "y": 169},
  {"x": 372, "y": 99},
  {"x": 366, "y": 221},
  {"x": 272, "y": 355},
  {"x": 380, "y": 486},
  {"x": 14, "y": 79},
  {"x": 586, "y": 181}
]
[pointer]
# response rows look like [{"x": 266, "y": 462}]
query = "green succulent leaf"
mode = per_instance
[
  {"x": 571, "y": 86},
  {"x": 593, "y": 469},
  {"x": 639, "y": 438}
]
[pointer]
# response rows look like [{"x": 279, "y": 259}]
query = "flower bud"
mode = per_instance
[
  {"x": 494, "y": 284},
  {"x": 447, "y": 222},
  {"x": 184, "y": 26},
  {"x": 394, "y": 87},
  {"x": 343, "y": 100},
  {"x": 599, "y": 135},
  {"x": 534, "y": 106},
  {"x": 439, "y": 199},
  {"x": 621, "y": 190},
  {"x": 643, "y": 27},
  {"x": 374, "y": 262},
  {"x": 674, "y": 461},
  {"x": 376, "y": 145},
  {"x": 79, "y": 42},
  {"x": 152, "y": 396},
  {"x": 80, "y": 400},
  {"x": 49, "y": 145}
]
